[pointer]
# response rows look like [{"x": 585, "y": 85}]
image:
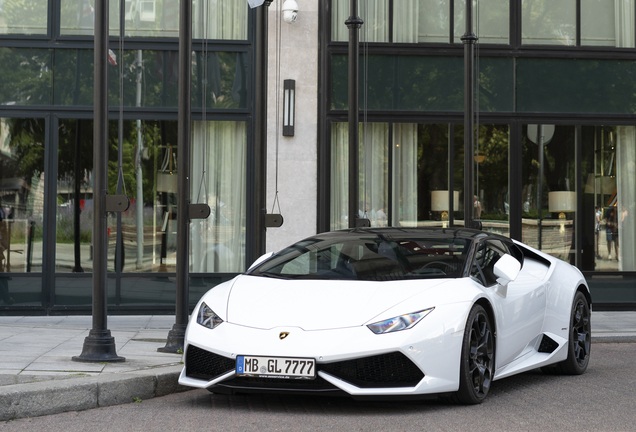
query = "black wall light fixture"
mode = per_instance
[{"x": 289, "y": 107}]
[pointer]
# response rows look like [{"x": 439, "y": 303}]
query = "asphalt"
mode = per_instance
[{"x": 38, "y": 376}]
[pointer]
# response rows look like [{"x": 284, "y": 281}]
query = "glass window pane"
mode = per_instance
[
  {"x": 491, "y": 21},
  {"x": 491, "y": 178},
  {"x": 221, "y": 19},
  {"x": 74, "y": 212},
  {"x": 149, "y": 79},
  {"x": 144, "y": 18},
  {"x": 374, "y": 13},
  {"x": 25, "y": 17},
  {"x": 549, "y": 189},
  {"x": 148, "y": 239},
  {"x": 548, "y": 22},
  {"x": 609, "y": 197},
  {"x": 21, "y": 195},
  {"x": 607, "y": 23},
  {"x": 420, "y": 175},
  {"x": 219, "y": 80},
  {"x": 73, "y": 81},
  {"x": 219, "y": 179},
  {"x": 575, "y": 86},
  {"x": 418, "y": 83},
  {"x": 421, "y": 21},
  {"x": 26, "y": 76},
  {"x": 373, "y": 174},
  {"x": 490, "y": 169}
]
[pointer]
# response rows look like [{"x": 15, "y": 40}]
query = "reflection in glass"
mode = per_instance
[
  {"x": 219, "y": 80},
  {"x": 548, "y": 167},
  {"x": 609, "y": 179},
  {"x": 219, "y": 157},
  {"x": 548, "y": 22},
  {"x": 490, "y": 197},
  {"x": 74, "y": 211},
  {"x": 423, "y": 83},
  {"x": 374, "y": 13},
  {"x": 26, "y": 76},
  {"x": 23, "y": 17},
  {"x": 21, "y": 196},
  {"x": 149, "y": 79},
  {"x": 491, "y": 178},
  {"x": 607, "y": 23}
]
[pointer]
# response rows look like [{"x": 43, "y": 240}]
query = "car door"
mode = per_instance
[{"x": 520, "y": 313}]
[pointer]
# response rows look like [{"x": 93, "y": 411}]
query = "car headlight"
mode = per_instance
[
  {"x": 402, "y": 322},
  {"x": 207, "y": 318}
]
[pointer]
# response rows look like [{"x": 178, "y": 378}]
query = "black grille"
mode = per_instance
[
  {"x": 202, "y": 364},
  {"x": 548, "y": 345},
  {"x": 385, "y": 370}
]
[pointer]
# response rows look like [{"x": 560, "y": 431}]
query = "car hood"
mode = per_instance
[{"x": 267, "y": 303}]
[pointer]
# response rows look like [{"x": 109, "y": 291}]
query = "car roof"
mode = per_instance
[{"x": 439, "y": 232}]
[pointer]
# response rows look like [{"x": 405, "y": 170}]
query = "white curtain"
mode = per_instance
[
  {"x": 219, "y": 19},
  {"x": 404, "y": 208},
  {"x": 624, "y": 17},
  {"x": 626, "y": 205},
  {"x": 218, "y": 179},
  {"x": 374, "y": 170},
  {"x": 373, "y": 174},
  {"x": 339, "y": 176},
  {"x": 407, "y": 13},
  {"x": 374, "y": 13}
]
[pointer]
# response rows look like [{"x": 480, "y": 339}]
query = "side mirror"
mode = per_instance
[
  {"x": 506, "y": 269},
  {"x": 260, "y": 260}
]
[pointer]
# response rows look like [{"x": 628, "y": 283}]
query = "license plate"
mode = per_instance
[{"x": 276, "y": 367}]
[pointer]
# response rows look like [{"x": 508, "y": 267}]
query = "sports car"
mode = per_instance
[{"x": 390, "y": 312}]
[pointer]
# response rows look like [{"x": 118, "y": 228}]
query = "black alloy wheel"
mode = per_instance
[
  {"x": 581, "y": 332},
  {"x": 478, "y": 358},
  {"x": 579, "y": 341}
]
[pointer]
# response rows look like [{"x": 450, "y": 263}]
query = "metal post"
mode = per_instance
[
  {"x": 469, "y": 39},
  {"x": 176, "y": 336},
  {"x": 540, "y": 143},
  {"x": 99, "y": 345},
  {"x": 256, "y": 245},
  {"x": 353, "y": 23},
  {"x": 139, "y": 171}
]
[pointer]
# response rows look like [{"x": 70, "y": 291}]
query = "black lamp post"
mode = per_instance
[
  {"x": 469, "y": 39},
  {"x": 353, "y": 23},
  {"x": 99, "y": 345}
]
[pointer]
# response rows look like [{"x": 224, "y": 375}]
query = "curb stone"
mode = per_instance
[{"x": 54, "y": 397}]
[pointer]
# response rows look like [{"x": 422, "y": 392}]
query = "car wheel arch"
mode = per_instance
[{"x": 586, "y": 293}]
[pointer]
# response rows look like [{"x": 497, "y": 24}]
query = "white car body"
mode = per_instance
[{"x": 327, "y": 321}]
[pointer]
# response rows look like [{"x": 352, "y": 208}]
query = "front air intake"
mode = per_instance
[
  {"x": 385, "y": 370},
  {"x": 202, "y": 364}
]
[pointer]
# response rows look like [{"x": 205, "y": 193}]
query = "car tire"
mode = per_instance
[
  {"x": 579, "y": 340},
  {"x": 477, "y": 366}
]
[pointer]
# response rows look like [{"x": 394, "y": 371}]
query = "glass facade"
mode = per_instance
[
  {"x": 46, "y": 160},
  {"x": 554, "y": 162}
]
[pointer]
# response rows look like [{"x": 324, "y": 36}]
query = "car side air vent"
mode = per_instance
[{"x": 547, "y": 345}]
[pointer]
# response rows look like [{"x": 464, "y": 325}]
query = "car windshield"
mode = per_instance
[{"x": 370, "y": 257}]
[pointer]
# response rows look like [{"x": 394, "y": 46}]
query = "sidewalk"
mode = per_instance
[{"x": 38, "y": 377}]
